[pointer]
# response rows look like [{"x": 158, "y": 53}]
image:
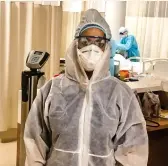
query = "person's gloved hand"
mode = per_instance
[
  {"x": 120, "y": 52},
  {"x": 117, "y": 52}
]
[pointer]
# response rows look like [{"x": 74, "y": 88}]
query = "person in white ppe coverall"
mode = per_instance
[{"x": 85, "y": 117}]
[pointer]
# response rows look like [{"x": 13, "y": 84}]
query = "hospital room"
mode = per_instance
[{"x": 84, "y": 83}]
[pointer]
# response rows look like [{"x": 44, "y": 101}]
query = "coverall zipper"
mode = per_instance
[{"x": 86, "y": 129}]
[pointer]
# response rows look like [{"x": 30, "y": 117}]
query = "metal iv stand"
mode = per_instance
[
  {"x": 29, "y": 82},
  {"x": 29, "y": 92}
]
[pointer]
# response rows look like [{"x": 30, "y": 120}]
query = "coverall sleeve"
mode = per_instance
[
  {"x": 131, "y": 139},
  {"x": 36, "y": 134},
  {"x": 127, "y": 46}
]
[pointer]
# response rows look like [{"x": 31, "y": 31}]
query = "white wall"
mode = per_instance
[{"x": 115, "y": 13}]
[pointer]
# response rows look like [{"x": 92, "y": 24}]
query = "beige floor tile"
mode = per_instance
[{"x": 8, "y": 154}]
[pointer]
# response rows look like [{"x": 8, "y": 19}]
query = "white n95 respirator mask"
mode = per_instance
[{"x": 89, "y": 56}]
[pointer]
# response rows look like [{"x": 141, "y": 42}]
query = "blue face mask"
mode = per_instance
[{"x": 122, "y": 36}]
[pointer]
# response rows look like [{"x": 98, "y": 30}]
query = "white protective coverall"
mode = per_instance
[{"x": 79, "y": 122}]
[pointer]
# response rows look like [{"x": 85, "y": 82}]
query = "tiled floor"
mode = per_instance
[{"x": 8, "y": 154}]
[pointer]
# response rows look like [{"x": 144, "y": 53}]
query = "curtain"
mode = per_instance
[
  {"x": 148, "y": 21},
  {"x": 26, "y": 26},
  {"x": 115, "y": 12}
]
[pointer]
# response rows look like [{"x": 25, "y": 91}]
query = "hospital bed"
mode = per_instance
[
  {"x": 144, "y": 65},
  {"x": 152, "y": 73}
]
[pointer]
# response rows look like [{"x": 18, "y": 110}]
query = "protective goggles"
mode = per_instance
[
  {"x": 84, "y": 41},
  {"x": 122, "y": 33}
]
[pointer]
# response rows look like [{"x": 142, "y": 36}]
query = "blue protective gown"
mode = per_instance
[
  {"x": 129, "y": 44},
  {"x": 113, "y": 50}
]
